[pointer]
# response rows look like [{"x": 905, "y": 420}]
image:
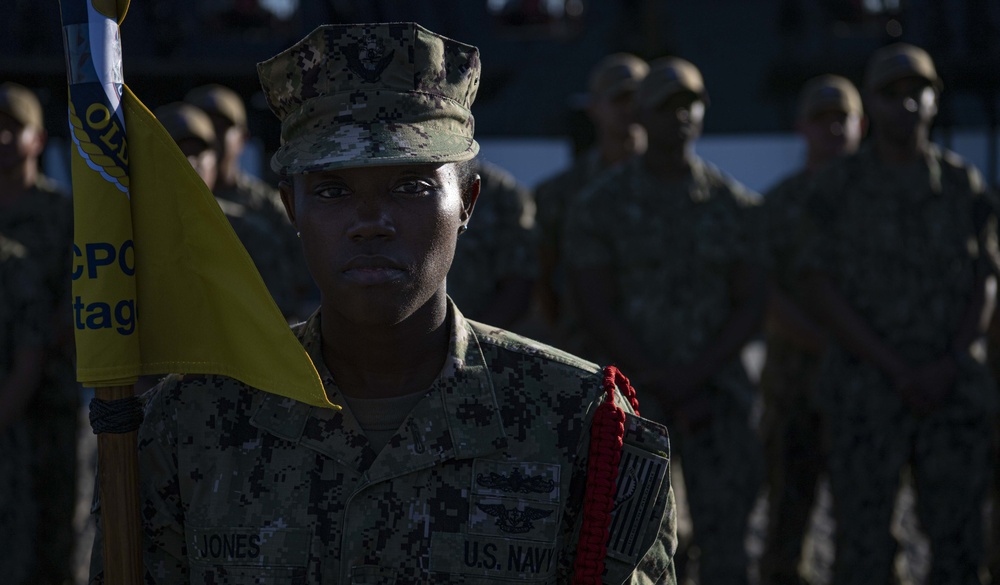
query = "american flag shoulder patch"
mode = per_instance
[{"x": 640, "y": 477}]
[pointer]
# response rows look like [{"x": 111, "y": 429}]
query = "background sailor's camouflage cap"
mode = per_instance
[
  {"x": 616, "y": 74},
  {"x": 20, "y": 103},
  {"x": 828, "y": 93},
  {"x": 668, "y": 76},
  {"x": 898, "y": 61},
  {"x": 372, "y": 94},
  {"x": 182, "y": 121},
  {"x": 219, "y": 100}
]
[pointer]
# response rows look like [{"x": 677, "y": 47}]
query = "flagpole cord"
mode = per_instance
[{"x": 122, "y": 415}]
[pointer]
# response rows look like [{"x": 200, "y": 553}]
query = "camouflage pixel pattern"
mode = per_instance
[
  {"x": 554, "y": 196},
  {"x": 372, "y": 94},
  {"x": 483, "y": 481},
  {"x": 553, "y": 199},
  {"x": 790, "y": 425},
  {"x": 24, "y": 324},
  {"x": 272, "y": 259},
  {"x": 904, "y": 247},
  {"x": 42, "y": 220},
  {"x": 672, "y": 248},
  {"x": 897, "y": 244},
  {"x": 500, "y": 244},
  {"x": 262, "y": 202}
]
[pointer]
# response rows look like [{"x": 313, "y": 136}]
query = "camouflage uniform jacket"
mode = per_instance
[
  {"x": 42, "y": 221},
  {"x": 555, "y": 194},
  {"x": 500, "y": 244},
  {"x": 789, "y": 368},
  {"x": 671, "y": 247},
  {"x": 259, "y": 197},
  {"x": 554, "y": 198},
  {"x": 290, "y": 283},
  {"x": 482, "y": 482},
  {"x": 266, "y": 250},
  {"x": 24, "y": 324},
  {"x": 905, "y": 247},
  {"x": 24, "y": 304}
]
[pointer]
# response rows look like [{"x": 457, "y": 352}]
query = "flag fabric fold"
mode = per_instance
[{"x": 161, "y": 283}]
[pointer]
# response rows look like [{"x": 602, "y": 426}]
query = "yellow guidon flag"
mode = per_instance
[{"x": 161, "y": 283}]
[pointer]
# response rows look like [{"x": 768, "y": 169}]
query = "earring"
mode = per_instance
[
  {"x": 298, "y": 234},
  {"x": 462, "y": 229}
]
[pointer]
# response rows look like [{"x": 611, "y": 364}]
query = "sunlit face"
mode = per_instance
[
  {"x": 832, "y": 133},
  {"x": 203, "y": 158},
  {"x": 675, "y": 122},
  {"x": 379, "y": 240},
  {"x": 18, "y": 142},
  {"x": 902, "y": 108}
]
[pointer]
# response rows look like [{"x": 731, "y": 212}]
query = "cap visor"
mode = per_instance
[{"x": 373, "y": 144}]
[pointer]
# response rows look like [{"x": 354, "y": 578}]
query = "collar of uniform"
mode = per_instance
[
  {"x": 325, "y": 430},
  {"x": 459, "y": 417},
  {"x": 696, "y": 184},
  {"x": 468, "y": 397},
  {"x": 932, "y": 159}
]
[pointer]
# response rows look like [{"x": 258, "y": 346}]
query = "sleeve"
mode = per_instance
[
  {"x": 550, "y": 211},
  {"x": 164, "y": 548},
  {"x": 265, "y": 248},
  {"x": 642, "y": 526},
  {"x": 781, "y": 212},
  {"x": 813, "y": 237},
  {"x": 31, "y": 305},
  {"x": 985, "y": 212},
  {"x": 589, "y": 227},
  {"x": 732, "y": 215},
  {"x": 753, "y": 221}
]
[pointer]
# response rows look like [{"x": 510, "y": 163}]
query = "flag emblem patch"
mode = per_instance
[{"x": 640, "y": 475}]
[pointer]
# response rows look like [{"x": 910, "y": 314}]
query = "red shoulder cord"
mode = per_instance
[{"x": 606, "y": 435}]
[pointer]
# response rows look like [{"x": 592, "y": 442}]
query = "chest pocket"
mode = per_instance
[
  {"x": 259, "y": 556},
  {"x": 372, "y": 575}
]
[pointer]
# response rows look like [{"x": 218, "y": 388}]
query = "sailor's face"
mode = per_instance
[
  {"x": 901, "y": 108},
  {"x": 378, "y": 240},
  {"x": 676, "y": 121},
  {"x": 18, "y": 142},
  {"x": 833, "y": 133}
]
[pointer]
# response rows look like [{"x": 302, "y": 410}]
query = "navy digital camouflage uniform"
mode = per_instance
[
  {"x": 553, "y": 199},
  {"x": 482, "y": 482},
  {"x": 554, "y": 196},
  {"x": 24, "y": 324},
  {"x": 791, "y": 423},
  {"x": 904, "y": 247},
  {"x": 42, "y": 221},
  {"x": 269, "y": 254},
  {"x": 672, "y": 248},
  {"x": 993, "y": 538},
  {"x": 500, "y": 243},
  {"x": 262, "y": 201}
]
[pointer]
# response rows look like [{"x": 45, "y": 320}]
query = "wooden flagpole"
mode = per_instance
[
  {"x": 118, "y": 411},
  {"x": 118, "y": 468}
]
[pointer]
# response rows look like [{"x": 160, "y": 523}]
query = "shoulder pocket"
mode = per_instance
[{"x": 643, "y": 534}]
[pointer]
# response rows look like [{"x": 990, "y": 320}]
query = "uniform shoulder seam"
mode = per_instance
[{"x": 530, "y": 347}]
